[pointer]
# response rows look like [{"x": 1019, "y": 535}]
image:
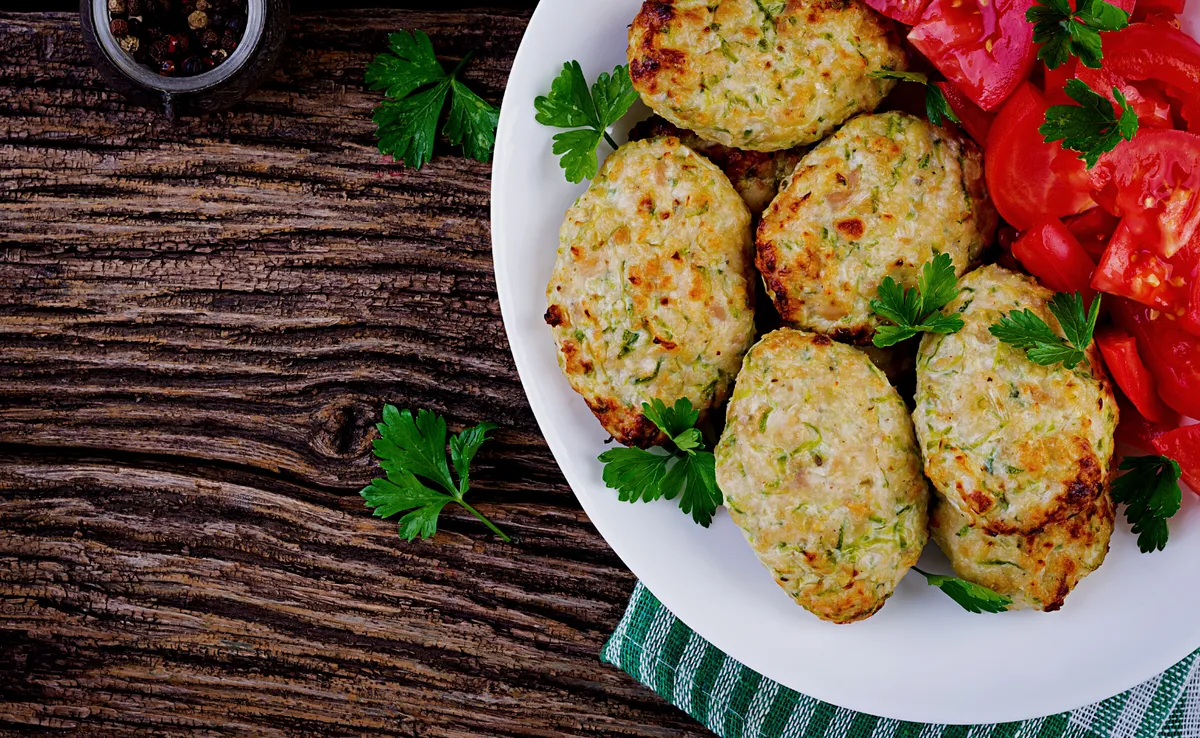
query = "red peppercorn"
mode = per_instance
[
  {"x": 118, "y": 27},
  {"x": 229, "y": 42},
  {"x": 210, "y": 38},
  {"x": 135, "y": 7},
  {"x": 167, "y": 68},
  {"x": 158, "y": 50}
]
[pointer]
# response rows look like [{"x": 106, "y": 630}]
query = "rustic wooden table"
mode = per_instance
[{"x": 198, "y": 326}]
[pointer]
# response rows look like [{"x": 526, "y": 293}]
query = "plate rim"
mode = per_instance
[{"x": 656, "y": 580}]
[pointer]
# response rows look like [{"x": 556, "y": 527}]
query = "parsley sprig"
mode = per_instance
[
  {"x": 415, "y": 87},
  {"x": 1092, "y": 127},
  {"x": 414, "y": 449},
  {"x": 571, "y": 104},
  {"x": 683, "y": 466},
  {"x": 973, "y": 597},
  {"x": 1063, "y": 32},
  {"x": 936, "y": 106},
  {"x": 1025, "y": 330},
  {"x": 1149, "y": 489},
  {"x": 916, "y": 310}
]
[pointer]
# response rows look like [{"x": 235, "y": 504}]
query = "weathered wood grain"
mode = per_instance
[{"x": 198, "y": 325}]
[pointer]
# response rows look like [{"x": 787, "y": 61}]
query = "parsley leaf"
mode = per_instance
[
  {"x": 690, "y": 469},
  {"x": 916, "y": 310},
  {"x": 1025, "y": 330},
  {"x": 973, "y": 597},
  {"x": 1150, "y": 492},
  {"x": 411, "y": 449},
  {"x": 936, "y": 106},
  {"x": 1091, "y": 127},
  {"x": 1062, "y": 32},
  {"x": 571, "y": 104},
  {"x": 415, "y": 87}
]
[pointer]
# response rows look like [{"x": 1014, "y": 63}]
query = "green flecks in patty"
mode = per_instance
[
  {"x": 963, "y": 530},
  {"x": 643, "y": 380},
  {"x": 924, "y": 162},
  {"x": 762, "y": 421},
  {"x": 727, "y": 51},
  {"x": 1000, "y": 562},
  {"x": 628, "y": 339}
]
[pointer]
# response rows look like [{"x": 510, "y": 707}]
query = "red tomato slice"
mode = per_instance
[
  {"x": 1191, "y": 319},
  {"x": 1152, "y": 108},
  {"x": 975, "y": 119},
  {"x": 1159, "y": 51},
  {"x": 1028, "y": 178},
  {"x": 983, "y": 46},
  {"x": 1131, "y": 375},
  {"x": 1183, "y": 445},
  {"x": 1153, "y": 182},
  {"x": 1171, "y": 354},
  {"x": 1093, "y": 229},
  {"x": 1135, "y": 430},
  {"x": 1052, "y": 254},
  {"x": 907, "y": 12},
  {"x": 1128, "y": 270},
  {"x": 1054, "y": 83},
  {"x": 1155, "y": 9}
]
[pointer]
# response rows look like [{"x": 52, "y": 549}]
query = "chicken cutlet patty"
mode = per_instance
[
  {"x": 877, "y": 199},
  {"x": 1013, "y": 445},
  {"x": 819, "y": 467},
  {"x": 652, "y": 294},
  {"x": 756, "y": 175},
  {"x": 1037, "y": 570},
  {"x": 761, "y": 74}
]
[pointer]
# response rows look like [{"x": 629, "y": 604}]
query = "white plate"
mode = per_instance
[{"x": 922, "y": 658}]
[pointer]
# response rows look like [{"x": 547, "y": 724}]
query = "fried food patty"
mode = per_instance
[
  {"x": 761, "y": 74},
  {"x": 756, "y": 175},
  {"x": 1014, "y": 446},
  {"x": 652, "y": 295},
  {"x": 820, "y": 470},
  {"x": 1037, "y": 570},
  {"x": 879, "y": 198}
]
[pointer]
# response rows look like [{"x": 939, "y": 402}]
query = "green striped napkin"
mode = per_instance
[{"x": 657, "y": 649}]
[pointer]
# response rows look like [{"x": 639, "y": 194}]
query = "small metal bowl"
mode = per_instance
[{"x": 217, "y": 89}]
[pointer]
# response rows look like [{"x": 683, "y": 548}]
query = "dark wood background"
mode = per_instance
[{"x": 198, "y": 326}]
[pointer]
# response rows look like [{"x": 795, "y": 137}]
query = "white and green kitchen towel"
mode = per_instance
[{"x": 657, "y": 649}]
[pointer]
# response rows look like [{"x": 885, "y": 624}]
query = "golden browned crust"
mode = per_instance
[
  {"x": 761, "y": 76},
  {"x": 756, "y": 175}
]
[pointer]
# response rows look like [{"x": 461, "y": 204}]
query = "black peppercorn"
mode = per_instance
[{"x": 179, "y": 37}]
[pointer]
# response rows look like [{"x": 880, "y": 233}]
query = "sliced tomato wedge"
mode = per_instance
[
  {"x": 1183, "y": 445},
  {"x": 1155, "y": 9},
  {"x": 1153, "y": 183},
  {"x": 1191, "y": 318},
  {"x": 1131, "y": 375},
  {"x": 1171, "y": 353},
  {"x": 1093, "y": 229},
  {"x": 1028, "y": 178},
  {"x": 1052, "y": 254},
  {"x": 975, "y": 119},
  {"x": 1151, "y": 106},
  {"x": 1129, "y": 270},
  {"x": 1135, "y": 430},
  {"x": 907, "y": 12},
  {"x": 1159, "y": 51},
  {"x": 983, "y": 46}
]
